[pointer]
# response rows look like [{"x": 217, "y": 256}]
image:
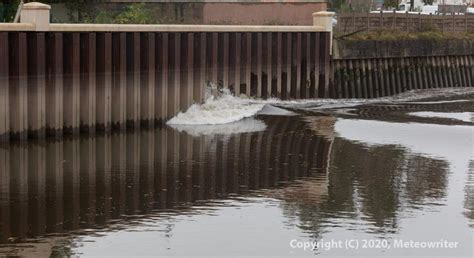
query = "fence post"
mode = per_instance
[
  {"x": 353, "y": 22},
  {"x": 453, "y": 22},
  {"x": 406, "y": 21},
  {"x": 368, "y": 21},
  {"x": 419, "y": 21},
  {"x": 381, "y": 20},
  {"x": 394, "y": 19},
  {"x": 465, "y": 22},
  {"x": 431, "y": 20},
  {"x": 443, "y": 21}
]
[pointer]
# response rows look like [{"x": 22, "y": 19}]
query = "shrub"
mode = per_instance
[{"x": 135, "y": 14}]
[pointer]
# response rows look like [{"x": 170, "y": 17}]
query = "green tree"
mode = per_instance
[{"x": 390, "y": 3}]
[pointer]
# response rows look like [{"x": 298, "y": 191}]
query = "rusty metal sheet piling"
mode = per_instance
[{"x": 69, "y": 78}]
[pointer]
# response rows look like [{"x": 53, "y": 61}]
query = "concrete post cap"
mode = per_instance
[
  {"x": 36, "y": 6},
  {"x": 324, "y": 14}
]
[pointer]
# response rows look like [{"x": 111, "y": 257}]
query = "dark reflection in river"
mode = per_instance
[{"x": 243, "y": 189}]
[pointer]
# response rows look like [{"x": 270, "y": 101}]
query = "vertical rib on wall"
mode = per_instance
[{"x": 55, "y": 83}]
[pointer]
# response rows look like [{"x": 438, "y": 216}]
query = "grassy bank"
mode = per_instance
[{"x": 399, "y": 35}]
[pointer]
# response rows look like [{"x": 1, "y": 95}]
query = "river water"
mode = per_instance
[{"x": 352, "y": 178}]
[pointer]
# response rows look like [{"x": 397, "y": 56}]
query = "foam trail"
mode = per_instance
[
  {"x": 409, "y": 96},
  {"x": 226, "y": 108},
  {"x": 463, "y": 116}
]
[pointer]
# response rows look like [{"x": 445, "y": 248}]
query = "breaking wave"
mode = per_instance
[{"x": 216, "y": 110}]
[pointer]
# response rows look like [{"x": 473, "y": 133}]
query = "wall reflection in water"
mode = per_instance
[
  {"x": 61, "y": 186},
  {"x": 322, "y": 182}
]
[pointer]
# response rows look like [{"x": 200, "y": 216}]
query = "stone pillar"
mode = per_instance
[
  {"x": 324, "y": 20},
  {"x": 37, "y": 14}
]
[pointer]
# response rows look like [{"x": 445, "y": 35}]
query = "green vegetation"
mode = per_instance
[
  {"x": 390, "y": 3},
  {"x": 8, "y": 10},
  {"x": 131, "y": 14},
  {"x": 136, "y": 14}
]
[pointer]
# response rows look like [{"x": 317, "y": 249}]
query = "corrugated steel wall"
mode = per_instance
[{"x": 55, "y": 83}]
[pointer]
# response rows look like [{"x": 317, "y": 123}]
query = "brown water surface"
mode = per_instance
[{"x": 398, "y": 171}]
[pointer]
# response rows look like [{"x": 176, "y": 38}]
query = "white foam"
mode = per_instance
[
  {"x": 463, "y": 116},
  {"x": 217, "y": 110}
]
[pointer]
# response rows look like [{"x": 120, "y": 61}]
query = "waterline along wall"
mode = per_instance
[
  {"x": 371, "y": 68},
  {"x": 66, "y": 78}
]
